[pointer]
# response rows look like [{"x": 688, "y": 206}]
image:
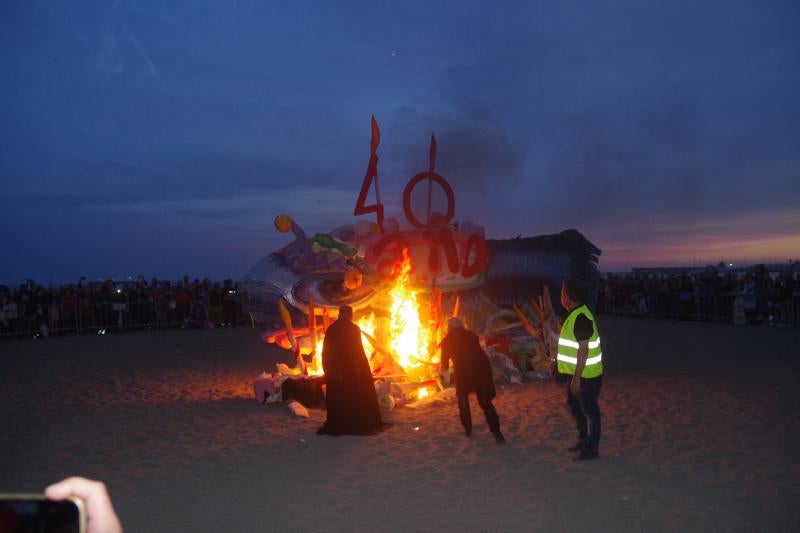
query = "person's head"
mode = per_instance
[
  {"x": 346, "y": 313},
  {"x": 572, "y": 294},
  {"x": 455, "y": 322}
]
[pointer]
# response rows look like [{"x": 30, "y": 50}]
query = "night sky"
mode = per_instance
[{"x": 161, "y": 138}]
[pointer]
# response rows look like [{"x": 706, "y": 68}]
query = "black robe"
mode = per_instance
[
  {"x": 350, "y": 398},
  {"x": 472, "y": 368}
]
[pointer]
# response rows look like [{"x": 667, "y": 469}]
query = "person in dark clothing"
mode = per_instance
[
  {"x": 230, "y": 307},
  {"x": 473, "y": 373},
  {"x": 350, "y": 391}
]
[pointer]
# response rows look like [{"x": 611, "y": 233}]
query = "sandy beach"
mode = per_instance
[{"x": 700, "y": 434}]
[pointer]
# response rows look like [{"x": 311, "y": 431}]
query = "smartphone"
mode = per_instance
[{"x": 33, "y": 513}]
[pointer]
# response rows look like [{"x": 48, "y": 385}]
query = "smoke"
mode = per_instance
[
  {"x": 637, "y": 162},
  {"x": 670, "y": 155},
  {"x": 475, "y": 150}
]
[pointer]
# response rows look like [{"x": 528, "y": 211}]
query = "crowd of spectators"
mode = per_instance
[
  {"x": 107, "y": 305},
  {"x": 755, "y": 297},
  {"x": 31, "y": 310}
]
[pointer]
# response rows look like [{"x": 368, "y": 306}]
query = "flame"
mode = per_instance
[
  {"x": 315, "y": 369},
  {"x": 367, "y": 325},
  {"x": 409, "y": 339},
  {"x": 422, "y": 392}
]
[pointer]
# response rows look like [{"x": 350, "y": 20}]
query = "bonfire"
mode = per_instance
[
  {"x": 393, "y": 277},
  {"x": 401, "y": 340}
]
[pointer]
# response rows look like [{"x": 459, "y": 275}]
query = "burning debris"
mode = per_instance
[{"x": 403, "y": 284}]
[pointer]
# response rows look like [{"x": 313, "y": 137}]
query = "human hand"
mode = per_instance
[
  {"x": 575, "y": 385},
  {"x": 445, "y": 376},
  {"x": 99, "y": 511}
]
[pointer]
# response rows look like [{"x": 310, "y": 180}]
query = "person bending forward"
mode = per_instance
[{"x": 473, "y": 374}]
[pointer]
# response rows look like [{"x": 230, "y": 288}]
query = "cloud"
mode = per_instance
[
  {"x": 665, "y": 157},
  {"x": 629, "y": 122},
  {"x": 151, "y": 67}
]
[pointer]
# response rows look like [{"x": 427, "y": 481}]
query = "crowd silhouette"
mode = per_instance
[
  {"x": 756, "y": 296},
  {"x": 752, "y": 297},
  {"x": 32, "y": 310}
]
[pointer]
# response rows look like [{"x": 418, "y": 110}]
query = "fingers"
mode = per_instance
[
  {"x": 102, "y": 518},
  {"x": 77, "y": 486}
]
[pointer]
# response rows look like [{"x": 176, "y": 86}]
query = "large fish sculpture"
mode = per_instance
[
  {"x": 447, "y": 256},
  {"x": 518, "y": 270}
]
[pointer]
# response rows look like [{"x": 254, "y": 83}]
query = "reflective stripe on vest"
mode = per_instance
[
  {"x": 567, "y": 359},
  {"x": 572, "y": 344}
]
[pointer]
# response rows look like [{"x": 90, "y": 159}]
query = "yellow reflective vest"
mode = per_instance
[{"x": 568, "y": 347}]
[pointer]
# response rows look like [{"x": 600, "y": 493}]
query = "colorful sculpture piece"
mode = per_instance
[
  {"x": 501, "y": 287},
  {"x": 447, "y": 256}
]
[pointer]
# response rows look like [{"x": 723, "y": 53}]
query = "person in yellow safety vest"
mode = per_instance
[{"x": 580, "y": 356}]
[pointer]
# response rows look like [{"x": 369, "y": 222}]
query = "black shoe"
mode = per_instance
[
  {"x": 586, "y": 456},
  {"x": 468, "y": 432},
  {"x": 322, "y": 430},
  {"x": 498, "y": 437},
  {"x": 577, "y": 448}
]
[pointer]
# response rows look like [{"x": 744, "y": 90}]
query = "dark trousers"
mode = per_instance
[
  {"x": 485, "y": 402},
  {"x": 229, "y": 313},
  {"x": 586, "y": 412}
]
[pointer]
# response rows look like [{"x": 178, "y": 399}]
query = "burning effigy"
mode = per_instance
[{"x": 404, "y": 281}]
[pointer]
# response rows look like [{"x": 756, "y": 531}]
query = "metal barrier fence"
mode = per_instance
[
  {"x": 731, "y": 308},
  {"x": 33, "y": 320}
]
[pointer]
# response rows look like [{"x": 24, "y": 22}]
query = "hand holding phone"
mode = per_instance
[
  {"x": 29, "y": 513},
  {"x": 99, "y": 511}
]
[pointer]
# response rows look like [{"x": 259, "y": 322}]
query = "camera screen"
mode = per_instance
[{"x": 38, "y": 516}]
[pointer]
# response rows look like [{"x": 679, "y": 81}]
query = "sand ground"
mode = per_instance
[{"x": 701, "y": 433}]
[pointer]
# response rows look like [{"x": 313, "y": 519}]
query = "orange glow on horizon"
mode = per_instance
[
  {"x": 743, "y": 252},
  {"x": 747, "y": 240}
]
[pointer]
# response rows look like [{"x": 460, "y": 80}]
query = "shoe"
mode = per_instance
[
  {"x": 578, "y": 447},
  {"x": 468, "y": 432},
  {"x": 586, "y": 456},
  {"x": 498, "y": 437},
  {"x": 322, "y": 430}
]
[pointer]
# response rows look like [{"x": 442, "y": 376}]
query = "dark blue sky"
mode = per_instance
[{"x": 161, "y": 138}]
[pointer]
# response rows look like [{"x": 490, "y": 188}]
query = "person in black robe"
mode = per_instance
[
  {"x": 473, "y": 373},
  {"x": 350, "y": 391}
]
